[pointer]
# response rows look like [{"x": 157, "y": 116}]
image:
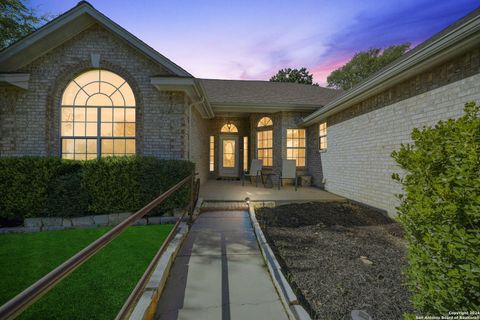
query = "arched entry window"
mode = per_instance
[
  {"x": 229, "y": 128},
  {"x": 265, "y": 122},
  {"x": 265, "y": 141},
  {"x": 97, "y": 116}
]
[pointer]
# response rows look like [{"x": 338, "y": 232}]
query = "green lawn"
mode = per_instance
[{"x": 97, "y": 290}]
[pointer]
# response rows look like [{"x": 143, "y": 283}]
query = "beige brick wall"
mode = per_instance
[
  {"x": 199, "y": 144},
  {"x": 29, "y": 120},
  {"x": 358, "y": 165},
  {"x": 314, "y": 160}
]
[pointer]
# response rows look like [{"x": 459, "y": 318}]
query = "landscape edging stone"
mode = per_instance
[{"x": 287, "y": 295}]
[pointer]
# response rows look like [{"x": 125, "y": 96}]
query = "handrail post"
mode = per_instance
[{"x": 192, "y": 199}]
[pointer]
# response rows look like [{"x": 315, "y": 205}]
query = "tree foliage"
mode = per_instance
[
  {"x": 363, "y": 64},
  {"x": 16, "y": 21},
  {"x": 440, "y": 212},
  {"x": 301, "y": 75}
]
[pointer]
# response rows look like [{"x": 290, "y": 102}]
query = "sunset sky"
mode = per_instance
[{"x": 254, "y": 39}]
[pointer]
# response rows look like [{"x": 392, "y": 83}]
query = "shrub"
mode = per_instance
[
  {"x": 47, "y": 186},
  {"x": 129, "y": 183},
  {"x": 440, "y": 211},
  {"x": 65, "y": 197},
  {"x": 23, "y": 185}
]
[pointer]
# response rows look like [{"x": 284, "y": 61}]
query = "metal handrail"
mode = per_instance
[
  {"x": 135, "y": 295},
  {"x": 23, "y": 300}
]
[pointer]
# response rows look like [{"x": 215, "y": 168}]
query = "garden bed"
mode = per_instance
[{"x": 339, "y": 257}]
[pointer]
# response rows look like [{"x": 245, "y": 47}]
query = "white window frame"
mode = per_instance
[{"x": 298, "y": 147}]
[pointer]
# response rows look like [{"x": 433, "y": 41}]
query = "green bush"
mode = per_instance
[
  {"x": 440, "y": 211},
  {"x": 127, "y": 184},
  {"x": 47, "y": 186},
  {"x": 23, "y": 185},
  {"x": 66, "y": 197}
]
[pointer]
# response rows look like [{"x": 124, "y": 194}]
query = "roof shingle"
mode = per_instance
[{"x": 255, "y": 92}]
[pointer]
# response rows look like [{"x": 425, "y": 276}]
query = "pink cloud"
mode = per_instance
[{"x": 322, "y": 70}]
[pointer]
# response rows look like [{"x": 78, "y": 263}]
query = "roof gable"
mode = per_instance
[{"x": 66, "y": 26}]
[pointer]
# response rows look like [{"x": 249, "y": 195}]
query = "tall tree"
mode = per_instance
[
  {"x": 301, "y": 75},
  {"x": 364, "y": 64},
  {"x": 16, "y": 21}
]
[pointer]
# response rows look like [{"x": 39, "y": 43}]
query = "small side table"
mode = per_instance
[
  {"x": 267, "y": 180},
  {"x": 305, "y": 181}
]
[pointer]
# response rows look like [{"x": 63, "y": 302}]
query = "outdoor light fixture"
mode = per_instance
[{"x": 247, "y": 200}]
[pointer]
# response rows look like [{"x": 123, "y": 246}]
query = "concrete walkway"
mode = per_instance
[{"x": 220, "y": 273}]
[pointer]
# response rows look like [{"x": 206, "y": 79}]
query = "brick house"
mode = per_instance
[{"x": 83, "y": 87}]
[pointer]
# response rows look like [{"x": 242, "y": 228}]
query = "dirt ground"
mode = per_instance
[{"x": 340, "y": 257}]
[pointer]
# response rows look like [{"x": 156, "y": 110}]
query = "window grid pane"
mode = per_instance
[
  {"x": 97, "y": 117},
  {"x": 265, "y": 122},
  {"x": 265, "y": 147},
  {"x": 296, "y": 146},
  {"x": 322, "y": 144},
  {"x": 229, "y": 128}
]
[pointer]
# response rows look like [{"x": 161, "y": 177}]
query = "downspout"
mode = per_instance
[{"x": 190, "y": 106}]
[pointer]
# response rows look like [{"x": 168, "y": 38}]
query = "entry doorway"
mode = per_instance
[{"x": 229, "y": 159}]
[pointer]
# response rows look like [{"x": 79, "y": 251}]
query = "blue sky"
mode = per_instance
[{"x": 253, "y": 39}]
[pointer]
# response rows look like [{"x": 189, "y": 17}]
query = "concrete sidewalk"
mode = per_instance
[{"x": 219, "y": 273}]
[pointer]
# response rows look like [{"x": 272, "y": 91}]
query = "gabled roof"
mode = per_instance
[
  {"x": 66, "y": 26},
  {"x": 233, "y": 94},
  {"x": 460, "y": 36}
]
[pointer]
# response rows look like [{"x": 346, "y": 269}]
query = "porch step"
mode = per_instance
[{"x": 223, "y": 205}]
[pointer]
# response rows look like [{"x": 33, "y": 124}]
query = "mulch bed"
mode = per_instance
[{"x": 340, "y": 257}]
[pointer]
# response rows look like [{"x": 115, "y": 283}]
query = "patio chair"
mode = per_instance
[
  {"x": 255, "y": 171},
  {"x": 289, "y": 171}
]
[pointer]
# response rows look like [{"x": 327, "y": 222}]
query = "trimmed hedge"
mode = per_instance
[
  {"x": 117, "y": 184},
  {"x": 47, "y": 186},
  {"x": 440, "y": 212}
]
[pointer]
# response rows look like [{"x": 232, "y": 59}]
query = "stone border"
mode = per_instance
[
  {"x": 287, "y": 295},
  {"x": 147, "y": 304},
  {"x": 57, "y": 223}
]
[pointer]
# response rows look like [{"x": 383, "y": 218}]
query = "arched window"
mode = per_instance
[
  {"x": 98, "y": 116},
  {"x": 229, "y": 128},
  {"x": 265, "y": 141},
  {"x": 265, "y": 122}
]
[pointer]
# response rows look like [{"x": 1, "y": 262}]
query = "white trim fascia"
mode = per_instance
[
  {"x": 208, "y": 110},
  {"x": 19, "y": 80},
  {"x": 256, "y": 107},
  {"x": 142, "y": 46},
  {"x": 50, "y": 27},
  {"x": 76, "y": 12},
  {"x": 173, "y": 82},
  {"x": 190, "y": 87},
  {"x": 409, "y": 66}
]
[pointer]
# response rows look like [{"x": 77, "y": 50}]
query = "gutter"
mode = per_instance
[
  {"x": 200, "y": 90},
  {"x": 463, "y": 37}
]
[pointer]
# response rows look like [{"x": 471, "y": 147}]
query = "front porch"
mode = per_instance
[{"x": 221, "y": 190}]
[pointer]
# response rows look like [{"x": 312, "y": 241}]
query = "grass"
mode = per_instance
[{"x": 97, "y": 290}]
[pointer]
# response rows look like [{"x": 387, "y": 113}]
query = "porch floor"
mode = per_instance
[{"x": 219, "y": 190}]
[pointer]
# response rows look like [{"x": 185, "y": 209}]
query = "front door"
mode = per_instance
[{"x": 228, "y": 155}]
